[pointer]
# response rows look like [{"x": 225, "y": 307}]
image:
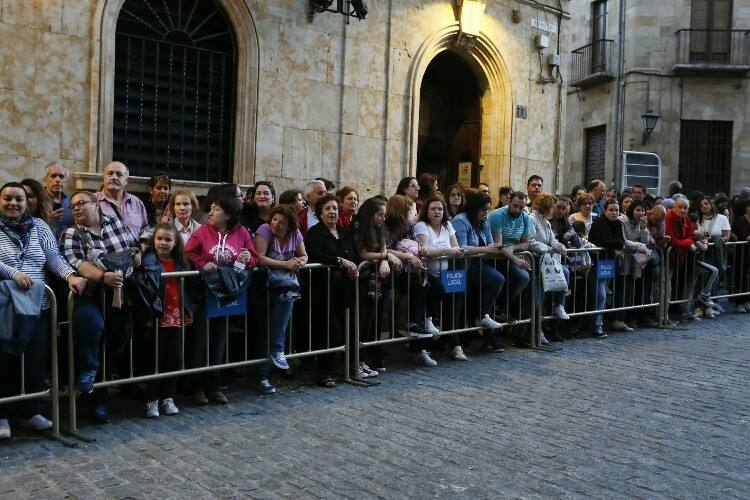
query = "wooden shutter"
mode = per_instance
[{"x": 596, "y": 147}]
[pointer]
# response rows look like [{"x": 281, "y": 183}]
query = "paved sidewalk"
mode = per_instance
[{"x": 651, "y": 414}]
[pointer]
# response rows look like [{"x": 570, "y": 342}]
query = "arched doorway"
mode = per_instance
[
  {"x": 246, "y": 74},
  {"x": 450, "y": 121}
]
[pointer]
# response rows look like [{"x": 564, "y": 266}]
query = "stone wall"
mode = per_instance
[
  {"x": 334, "y": 100},
  {"x": 650, "y": 83}
]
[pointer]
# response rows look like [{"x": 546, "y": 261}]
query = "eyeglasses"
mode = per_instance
[{"x": 81, "y": 204}]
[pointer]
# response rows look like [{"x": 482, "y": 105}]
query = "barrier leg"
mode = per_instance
[{"x": 72, "y": 403}]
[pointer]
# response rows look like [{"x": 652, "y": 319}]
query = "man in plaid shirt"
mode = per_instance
[{"x": 94, "y": 235}]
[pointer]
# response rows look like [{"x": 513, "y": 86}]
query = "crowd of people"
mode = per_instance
[{"x": 251, "y": 247}]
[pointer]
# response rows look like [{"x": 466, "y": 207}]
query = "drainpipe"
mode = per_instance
[{"x": 619, "y": 84}]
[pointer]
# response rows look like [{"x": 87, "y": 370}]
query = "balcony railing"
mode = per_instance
[
  {"x": 592, "y": 64},
  {"x": 713, "y": 51}
]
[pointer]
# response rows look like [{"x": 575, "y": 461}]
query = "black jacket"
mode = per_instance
[
  {"x": 322, "y": 247},
  {"x": 607, "y": 234}
]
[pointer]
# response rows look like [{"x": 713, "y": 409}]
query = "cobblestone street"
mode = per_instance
[{"x": 649, "y": 414}]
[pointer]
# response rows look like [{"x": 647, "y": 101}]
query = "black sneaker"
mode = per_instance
[
  {"x": 599, "y": 333},
  {"x": 267, "y": 387},
  {"x": 494, "y": 347}
]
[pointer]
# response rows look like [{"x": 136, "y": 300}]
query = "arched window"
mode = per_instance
[{"x": 174, "y": 89}]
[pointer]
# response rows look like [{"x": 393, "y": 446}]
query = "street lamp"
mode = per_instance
[
  {"x": 649, "y": 123},
  {"x": 470, "y": 12}
]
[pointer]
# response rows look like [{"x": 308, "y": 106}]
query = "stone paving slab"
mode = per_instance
[{"x": 650, "y": 414}]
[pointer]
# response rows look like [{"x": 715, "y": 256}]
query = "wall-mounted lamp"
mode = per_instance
[
  {"x": 349, "y": 8},
  {"x": 470, "y": 16},
  {"x": 649, "y": 123}
]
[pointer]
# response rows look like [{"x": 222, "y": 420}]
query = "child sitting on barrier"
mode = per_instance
[{"x": 165, "y": 254}]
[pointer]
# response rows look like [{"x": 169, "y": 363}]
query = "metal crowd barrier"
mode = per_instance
[
  {"x": 247, "y": 359},
  {"x": 681, "y": 276},
  {"x": 624, "y": 292},
  {"x": 53, "y": 393},
  {"x": 393, "y": 334}
]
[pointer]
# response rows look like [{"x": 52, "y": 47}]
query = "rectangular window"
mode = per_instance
[
  {"x": 596, "y": 147},
  {"x": 710, "y": 40},
  {"x": 705, "y": 156},
  {"x": 598, "y": 35}
]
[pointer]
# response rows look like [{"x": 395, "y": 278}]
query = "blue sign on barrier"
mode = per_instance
[
  {"x": 236, "y": 308},
  {"x": 605, "y": 269},
  {"x": 454, "y": 281}
]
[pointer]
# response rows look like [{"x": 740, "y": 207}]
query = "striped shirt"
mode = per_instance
[{"x": 40, "y": 252}]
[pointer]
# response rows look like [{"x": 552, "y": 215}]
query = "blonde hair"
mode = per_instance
[{"x": 545, "y": 203}]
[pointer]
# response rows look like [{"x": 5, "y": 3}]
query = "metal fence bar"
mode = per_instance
[
  {"x": 158, "y": 374},
  {"x": 54, "y": 391}
]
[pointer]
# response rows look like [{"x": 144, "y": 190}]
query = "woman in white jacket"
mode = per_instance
[{"x": 544, "y": 241}]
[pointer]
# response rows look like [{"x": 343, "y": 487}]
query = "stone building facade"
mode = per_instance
[
  {"x": 684, "y": 60},
  {"x": 318, "y": 97}
]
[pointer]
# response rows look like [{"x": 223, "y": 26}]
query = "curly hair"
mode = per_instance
[
  {"x": 545, "y": 204},
  {"x": 287, "y": 212}
]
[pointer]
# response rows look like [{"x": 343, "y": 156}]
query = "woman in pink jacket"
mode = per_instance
[{"x": 221, "y": 242}]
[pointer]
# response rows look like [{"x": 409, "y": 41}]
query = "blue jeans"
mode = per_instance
[
  {"x": 88, "y": 330},
  {"x": 517, "y": 279},
  {"x": 271, "y": 331},
  {"x": 492, "y": 284},
  {"x": 601, "y": 300}
]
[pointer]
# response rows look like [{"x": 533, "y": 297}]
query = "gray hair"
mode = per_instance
[
  {"x": 681, "y": 198},
  {"x": 56, "y": 164},
  {"x": 310, "y": 186}
]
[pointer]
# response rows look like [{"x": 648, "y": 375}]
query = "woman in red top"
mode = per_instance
[
  {"x": 680, "y": 231},
  {"x": 349, "y": 202}
]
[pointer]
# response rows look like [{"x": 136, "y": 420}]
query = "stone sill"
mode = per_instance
[
  {"x": 711, "y": 69},
  {"x": 593, "y": 79},
  {"x": 92, "y": 181}
]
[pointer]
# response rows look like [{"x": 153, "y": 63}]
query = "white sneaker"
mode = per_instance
[
  {"x": 430, "y": 327},
  {"x": 716, "y": 311},
  {"x": 4, "y": 428},
  {"x": 37, "y": 422},
  {"x": 458, "y": 354},
  {"x": 559, "y": 312},
  {"x": 543, "y": 340},
  {"x": 488, "y": 323},
  {"x": 741, "y": 308},
  {"x": 152, "y": 409},
  {"x": 367, "y": 371},
  {"x": 168, "y": 407},
  {"x": 423, "y": 358}
]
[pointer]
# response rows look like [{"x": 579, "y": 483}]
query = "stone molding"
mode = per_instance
[
  {"x": 497, "y": 99},
  {"x": 102, "y": 85}
]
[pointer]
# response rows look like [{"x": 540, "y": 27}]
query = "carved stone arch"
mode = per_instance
[
  {"x": 497, "y": 98},
  {"x": 102, "y": 86}
]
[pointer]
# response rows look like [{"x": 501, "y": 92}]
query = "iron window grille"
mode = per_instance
[{"x": 174, "y": 95}]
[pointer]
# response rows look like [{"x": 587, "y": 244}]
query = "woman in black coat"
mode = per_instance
[{"x": 328, "y": 244}]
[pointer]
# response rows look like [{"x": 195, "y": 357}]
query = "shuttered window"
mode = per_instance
[
  {"x": 705, "y": 156},
  {"x": 713, "y": 20},
  {"x": 598, "y": 34},
  {"x": 596, "y": 147}
]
